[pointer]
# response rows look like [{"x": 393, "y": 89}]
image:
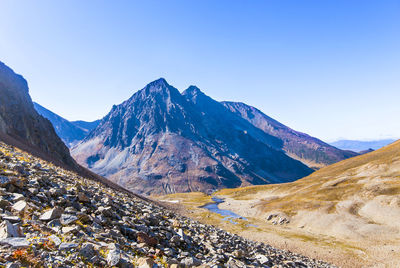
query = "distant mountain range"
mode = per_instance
[
  {"x": 360, "y": 146},
  {"x": 70, "y": 132},
  {"x": 162, "y": 141}
]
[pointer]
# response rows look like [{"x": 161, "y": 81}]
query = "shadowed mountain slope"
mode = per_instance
[
  {"x": 22, "y": 126},
  {"x": 311, "y": 151},
  {"x": 70, "y": 132}
]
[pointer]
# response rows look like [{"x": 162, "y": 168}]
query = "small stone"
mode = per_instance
[
  {"x": 55, "y": 225},
  {"x": 190, "y": 262},
  {"x": 67, "y": 246},
  {"x": 176, "y": 224},
  {"x": 82, "y": 197},
  {"x": 51, "y": 214},
  {"x": 66, "y": 219},
  {"x": 232, "y": 263},
  {"x": 55, "y": 239},
  {"x": 4, "y": 181},
  {"x": 19, "y": 206},
  {"x": 70, "y": 229},
  {"x": 145, "y": 262},
  {"x": 238, "y": 253},
  {"x": 262, "y": 259},
  {"x": 15, "y": 242},
  {"x": 12, "y": 219},
  {"x": 19, "y": 182},
  {"x": 87, "y": 251},
  {"x": 181, "y": 234},
  {"x": 2, "y": 191},
  {"x": 8, "y": 229},
  {"x": 33, "y": 190},
  {"x": 106, "y": 211},
  {"x": 17, "y": 197},
  {"x": 113, "y": 257},
  {"x": 13, "y": 265},
  {"x": 4, "y": 203},
  {"x": 145, "y": 238}
]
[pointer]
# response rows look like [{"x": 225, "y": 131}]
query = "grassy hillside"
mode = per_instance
[{"x": 366, "y": 176}]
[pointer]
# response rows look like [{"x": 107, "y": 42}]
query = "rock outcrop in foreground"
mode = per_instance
[{"x": 51, "y": 217}]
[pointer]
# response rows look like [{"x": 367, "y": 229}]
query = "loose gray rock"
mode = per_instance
[
  {"x": 67, "y": 246},
  {"x": 19, "y": 206},
  {"x": 8, "y": 229},
  {"x": 113, "y": 257},
  {"x": 15, "y": 242},
  {"x": 66, "y": 219},
  {"x": 87, "y": 251},
  {"x": 51, "y": 214}
]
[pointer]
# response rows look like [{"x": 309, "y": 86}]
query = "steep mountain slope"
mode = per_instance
[
  {"x": 354, "y": 202},
  {"x": 358, "y": 146},
  {"x": 159, "y": 142},
  {"x": 22, "y": 126},
  {"x": 311, "y": 151},
  {"x": 70, "y": 132}
]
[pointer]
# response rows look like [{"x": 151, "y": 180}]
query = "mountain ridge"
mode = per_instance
[
  {"x": 158, "y": 141},
  {"x": 310, "y": 150}
]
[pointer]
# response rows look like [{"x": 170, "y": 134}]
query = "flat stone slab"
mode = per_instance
[{"x": 15, "y": 242}]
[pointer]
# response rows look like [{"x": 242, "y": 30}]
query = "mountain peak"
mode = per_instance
[
  {"x": 192, "y": 91},
  {"x": 161, "y": 82},
  {"x": 156, "y": 87}
]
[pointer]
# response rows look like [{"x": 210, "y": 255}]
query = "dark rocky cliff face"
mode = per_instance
[
  {"x": 162, "y": 141},
  {"x": 311, "y": 151},
  {"x": 22, "y": 126}
]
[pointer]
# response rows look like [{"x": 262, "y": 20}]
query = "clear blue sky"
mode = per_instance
[{"x": 327, "y": 68}]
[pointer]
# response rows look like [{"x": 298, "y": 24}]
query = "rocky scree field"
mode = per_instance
[{"x": 51, "y": 217}]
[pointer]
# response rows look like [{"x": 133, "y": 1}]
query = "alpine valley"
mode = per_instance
[{"x": 201, "y": 163}]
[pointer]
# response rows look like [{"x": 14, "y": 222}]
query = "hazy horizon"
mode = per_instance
[{"x": 326, "y": 68}]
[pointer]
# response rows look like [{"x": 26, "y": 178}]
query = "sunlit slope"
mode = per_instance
[{"x": 354, "y": 198}]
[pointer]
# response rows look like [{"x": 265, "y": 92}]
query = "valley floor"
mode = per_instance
[{"x": 341, "y": 252}]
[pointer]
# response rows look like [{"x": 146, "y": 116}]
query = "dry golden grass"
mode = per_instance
[
  {"x": 192, "y": 200},
  {"x": 329, "y": 185}
]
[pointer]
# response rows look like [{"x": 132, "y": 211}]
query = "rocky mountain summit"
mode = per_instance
[
  {"x": 22, "y": 126},
  {"x": 51, "y": 217},
  {"x": 311, "y": 151},
  {"x": 162, "y": 141},
  {"x": 70, "y": 132}
]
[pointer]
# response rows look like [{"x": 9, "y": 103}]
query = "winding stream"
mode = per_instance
[{"x": 227, "y": 214}]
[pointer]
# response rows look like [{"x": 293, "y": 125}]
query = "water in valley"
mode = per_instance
[{"x": 227, "y": 214}]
